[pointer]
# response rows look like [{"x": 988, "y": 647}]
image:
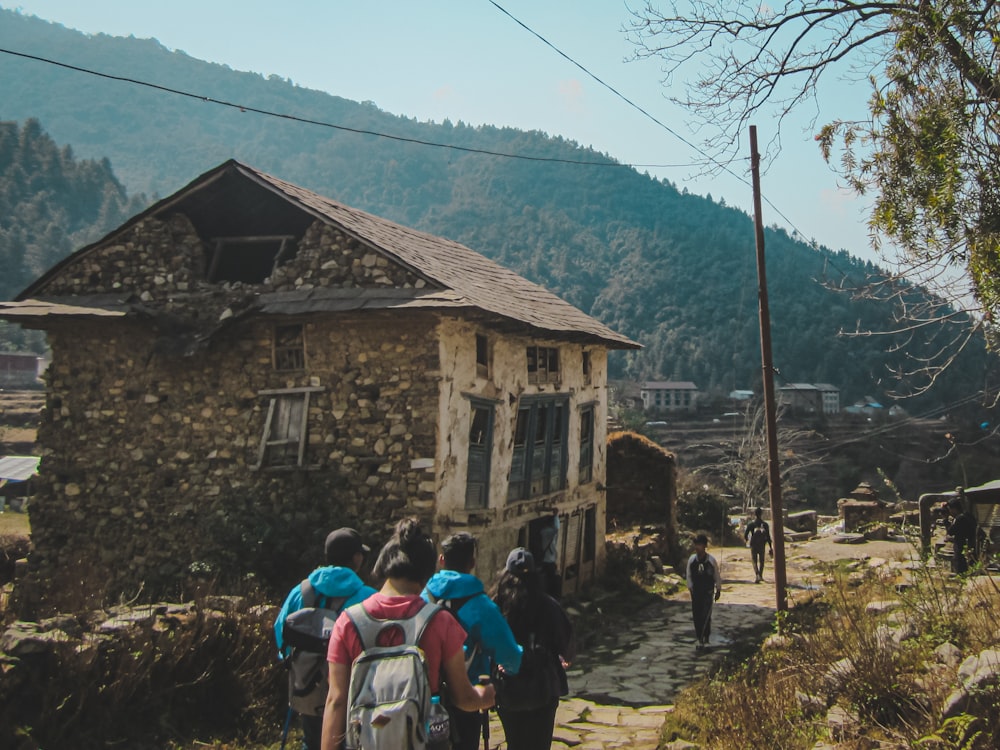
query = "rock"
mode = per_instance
[
  {"x": 841, "y": 722},
  {"x": 979, "y": 671},
  {"x": 881, "y": 607},
  {"x": 949, "y": 654},
  {"x": 977, "y": 675},
  {"x": 27, "y": 638},
  {"x": 802, "y": 521},
  {"x": 811, "y": 705},
  {"x": 849, "y": 539},
  {"x": 838, "y": 673}
]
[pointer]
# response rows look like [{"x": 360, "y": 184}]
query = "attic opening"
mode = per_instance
[{"x": 249, "y": 260}]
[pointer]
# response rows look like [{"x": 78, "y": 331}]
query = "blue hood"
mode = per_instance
[
  {"x": 335, "y": 582},
  {"x": 481, "y": 618},
  {"x": 329, "y": 582},
  {"x": 450, "y": 584}
]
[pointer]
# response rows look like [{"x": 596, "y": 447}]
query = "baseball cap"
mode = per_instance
[
  {"x": 520, "y": 561},
  {"x": 342, "y": 545}
]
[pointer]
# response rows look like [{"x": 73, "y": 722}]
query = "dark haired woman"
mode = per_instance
[
  {"x": 527, "y": 702},
  {"x": 406, "y": 562}
]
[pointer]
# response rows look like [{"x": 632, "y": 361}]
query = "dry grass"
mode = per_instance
[
  {"x": 14, "y": 524},
  {"x": 874, "y": 662}
]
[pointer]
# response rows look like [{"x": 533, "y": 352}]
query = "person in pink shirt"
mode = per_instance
[{"x": 406, "y": 563}]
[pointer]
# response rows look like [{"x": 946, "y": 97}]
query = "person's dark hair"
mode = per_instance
[
  {"x": 701, "y": 539},
  {"x": 459, "y": 550},
  {"x": 408, "y": 554},
  {"x": 759, "y": 512},
  {"x": 519, "y": 598}
]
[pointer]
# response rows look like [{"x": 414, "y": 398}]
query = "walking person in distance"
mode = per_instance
[
  {"x": 704, "y": 581},
  {"x": 758, "y": 536}
]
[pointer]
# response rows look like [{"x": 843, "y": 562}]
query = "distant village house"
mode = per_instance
[
  {"x": 809, "y": 398},
  {"x": 21, "y": 369},
  {"x": 680, "y": 396},
  {"x": 247, "y": 364}
]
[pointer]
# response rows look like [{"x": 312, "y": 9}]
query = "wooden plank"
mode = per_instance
[
  {"x": 290, "y": 391},
  {"x": 303, "y": 426},
  {"x": 266, "y": 435}
]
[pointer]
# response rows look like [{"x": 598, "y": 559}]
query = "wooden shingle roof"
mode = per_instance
[{"x": 480, "y": 281}]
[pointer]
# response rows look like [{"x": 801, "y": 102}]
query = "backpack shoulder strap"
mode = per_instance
[
  {"x": 413, "y": 627},
  {"x": 308, "y": 593}
]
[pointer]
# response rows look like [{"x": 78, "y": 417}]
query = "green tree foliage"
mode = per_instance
[
  {"x": 673, "y": 270},
  {"x": 50, "y": 204},
  {"x": 928, "y": 152}
]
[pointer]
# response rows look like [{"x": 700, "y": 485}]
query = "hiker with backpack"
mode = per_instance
[
  {"x": 490, "y": 641},
  {"x": 704, "y": 581},
  {"x": 390, "y": 654},
  {"x": 527, "y": 701},
  {"x": 757, "y": 536},
  {"x": 304, "y": 623}
]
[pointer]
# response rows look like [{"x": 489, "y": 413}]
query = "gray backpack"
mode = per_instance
[
  {"x": 306, "y": 632},
  {"x": 389, "y": 698}
]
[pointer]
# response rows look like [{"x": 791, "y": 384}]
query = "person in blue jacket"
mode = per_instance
[
  {"x": 345, "y": 554},
  {"x": 490, "y": 640}
]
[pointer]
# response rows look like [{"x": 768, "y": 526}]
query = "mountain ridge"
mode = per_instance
[{"x": 670, "y": 269}]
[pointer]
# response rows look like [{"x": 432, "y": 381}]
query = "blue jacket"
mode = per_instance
[
  {"x": 481, "y": 619},
  {"x": 330, "y": 582}
]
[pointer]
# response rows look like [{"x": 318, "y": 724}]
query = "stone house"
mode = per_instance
[
  {"x": 247, "y": 364},
  {"x": 669, "y": 396},
  {"x": 21, "y": 369}
]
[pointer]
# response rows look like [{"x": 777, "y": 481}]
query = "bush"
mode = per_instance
[
  {"x": 180, "y": 674},
  {"x": 701, "y": 507}
]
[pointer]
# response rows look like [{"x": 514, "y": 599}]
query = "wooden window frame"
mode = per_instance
[
  {"x": 477, "y": 489},
  {"x": 526, "y": 479},
  {"x": 587, "y": 414},
  {"x": 544, "y": 364},
  {"x": 482, "y": 355},
  {"x": 300, "y": 439},
  {"x": 280, "y": 354}
]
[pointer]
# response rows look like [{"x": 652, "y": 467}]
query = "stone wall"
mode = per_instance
[
  {"x": 148, "y": 478},
  {"x": 642, "y": 487}
]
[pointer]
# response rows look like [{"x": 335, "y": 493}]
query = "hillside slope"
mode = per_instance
[{"x": 672, "y": 270}]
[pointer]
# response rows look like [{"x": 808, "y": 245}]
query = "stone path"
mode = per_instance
[{"x": 621, "y": 689}]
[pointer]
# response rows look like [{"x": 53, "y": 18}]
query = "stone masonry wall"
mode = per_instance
[{"x": 147, "y": 480}]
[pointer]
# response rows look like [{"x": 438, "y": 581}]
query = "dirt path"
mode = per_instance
[{"x": 622, "y": 688}]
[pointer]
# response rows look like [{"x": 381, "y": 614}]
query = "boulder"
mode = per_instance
[
  {"x": 979, "y": 676},
  {"x": 948, "y": 654}
]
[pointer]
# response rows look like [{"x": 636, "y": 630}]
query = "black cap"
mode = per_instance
[
  {"x": 342, "y": 545},
  {"x": 520, "y": 561}
]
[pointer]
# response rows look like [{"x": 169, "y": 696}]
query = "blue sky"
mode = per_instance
[{"x": 466, "y": 60}]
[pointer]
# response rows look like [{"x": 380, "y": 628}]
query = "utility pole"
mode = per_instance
[{"x": 767, "y": 365}]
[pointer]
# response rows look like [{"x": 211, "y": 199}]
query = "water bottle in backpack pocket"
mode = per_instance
[{"x": 438, "y": 726}]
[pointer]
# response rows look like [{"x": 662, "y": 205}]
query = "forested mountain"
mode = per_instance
[
  {"x": 674, "y": 271},
  {"x": 50, "y": 204}
]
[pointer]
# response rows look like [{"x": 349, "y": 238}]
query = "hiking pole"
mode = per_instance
[
  {"x": 288, "y": 721},
  {"x": 484, "y": 679}
]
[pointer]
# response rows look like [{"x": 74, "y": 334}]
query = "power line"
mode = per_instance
[
  {"x": 658, "y": 122},
  {"x": 322, "y": 123},
  {"x": 725, "y": 168}
]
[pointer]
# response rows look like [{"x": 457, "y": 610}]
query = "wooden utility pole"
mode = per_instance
[{"x": 770, "y": 411}]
